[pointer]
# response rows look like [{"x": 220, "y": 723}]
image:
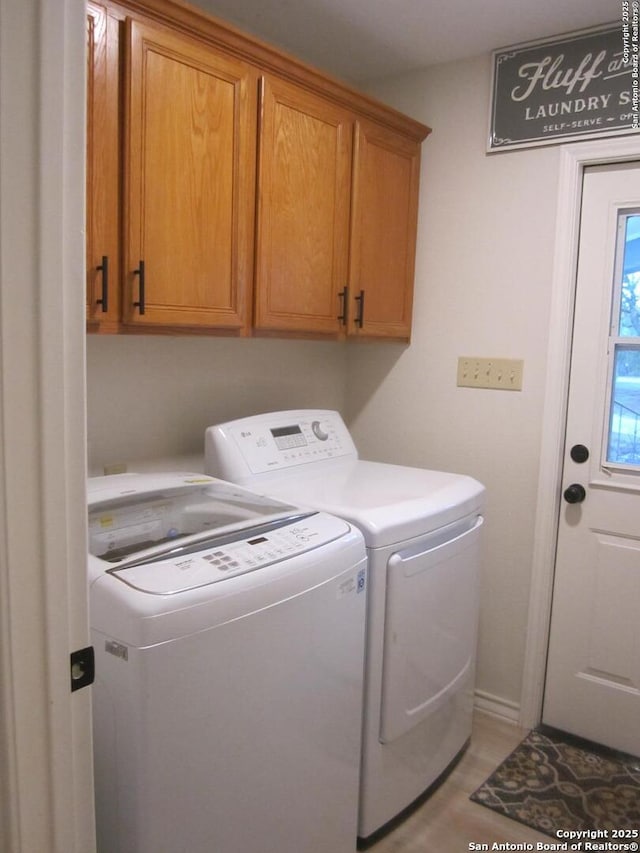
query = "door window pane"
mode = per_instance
[
  {"x": 624, "y": 420},
  {"x": 623, "y": 440},
  {"x": 629, "y": 319}
]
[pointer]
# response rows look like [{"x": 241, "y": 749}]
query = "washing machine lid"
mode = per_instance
[
  {"x": 135, "y": 517},
  {"x": 389, "y": 503}
]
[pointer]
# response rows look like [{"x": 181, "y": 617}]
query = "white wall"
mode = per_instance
[
  {"x": 483, "y": 275},
  {"x": 153, "y": 396}
]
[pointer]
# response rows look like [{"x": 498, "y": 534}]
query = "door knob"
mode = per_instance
[
  {"x": 579, "y": 453},
  {"x": 574, "y": 494}
]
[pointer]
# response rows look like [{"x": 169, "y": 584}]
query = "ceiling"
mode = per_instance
[{"x": 360, "y": 40}]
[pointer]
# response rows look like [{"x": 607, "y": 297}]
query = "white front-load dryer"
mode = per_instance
[
  {"x": 229, "y": 641},
  {"x": 422, "y": 530}
]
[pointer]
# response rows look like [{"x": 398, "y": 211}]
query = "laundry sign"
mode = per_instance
[{"x": 577, "y": 86}]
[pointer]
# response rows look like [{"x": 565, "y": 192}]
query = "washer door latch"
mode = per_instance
[{"x": 82, "y": 668}]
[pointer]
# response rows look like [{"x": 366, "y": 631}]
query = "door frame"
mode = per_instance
[
  {"x": 573, "y": 160},
  {"x": 46, "y": 777}
]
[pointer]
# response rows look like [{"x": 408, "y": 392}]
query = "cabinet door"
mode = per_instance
[
  {"x": 103, "y": 273},
  {"x": 303, "y": 211},
  {"x": 383, "y": 232},
  {"x": 190, "y": 141}
]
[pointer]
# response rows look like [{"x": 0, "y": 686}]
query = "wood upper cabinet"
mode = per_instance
[
  {"x": 384, "y": 213},
  {"x": 337, "y": 217},
  {"x": 102, "y": 165},
  {"x": 304, "y": 175},
  {"x": 190, "y": 137},
  {"x": 229, "y": 186}
]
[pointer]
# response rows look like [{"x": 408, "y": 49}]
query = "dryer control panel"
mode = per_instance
[{"x": 276, "y": 441}]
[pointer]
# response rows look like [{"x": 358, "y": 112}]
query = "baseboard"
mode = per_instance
[{"x": 497, "y": 706}]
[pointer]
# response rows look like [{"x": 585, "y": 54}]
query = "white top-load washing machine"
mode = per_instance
[
  {"x": 229, "y": 641},
  {"x": 422, "y": 530}
]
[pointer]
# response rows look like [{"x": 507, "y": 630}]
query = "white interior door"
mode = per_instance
[{"x": 593, "y": 671}]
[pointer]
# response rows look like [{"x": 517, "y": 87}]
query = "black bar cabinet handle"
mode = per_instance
[
  {"x": 342, "y": 296},
  {"x": 140, "y": 303},
  {"x": 359, "y": 321},
  {"x": 104, "y": 269}
]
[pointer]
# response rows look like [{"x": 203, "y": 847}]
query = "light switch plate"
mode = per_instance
[{"x": 498, "y": 373}]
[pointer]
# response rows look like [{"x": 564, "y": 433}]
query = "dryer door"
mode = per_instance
[{"x": 431, "y": 625}]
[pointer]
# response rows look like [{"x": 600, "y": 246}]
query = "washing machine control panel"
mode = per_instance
[
  {"x": 181, "y": 572},
  {"x": 277, "y": 441}
]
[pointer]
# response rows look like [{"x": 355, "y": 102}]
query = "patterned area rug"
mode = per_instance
[{"x": 553, "y": 782}]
